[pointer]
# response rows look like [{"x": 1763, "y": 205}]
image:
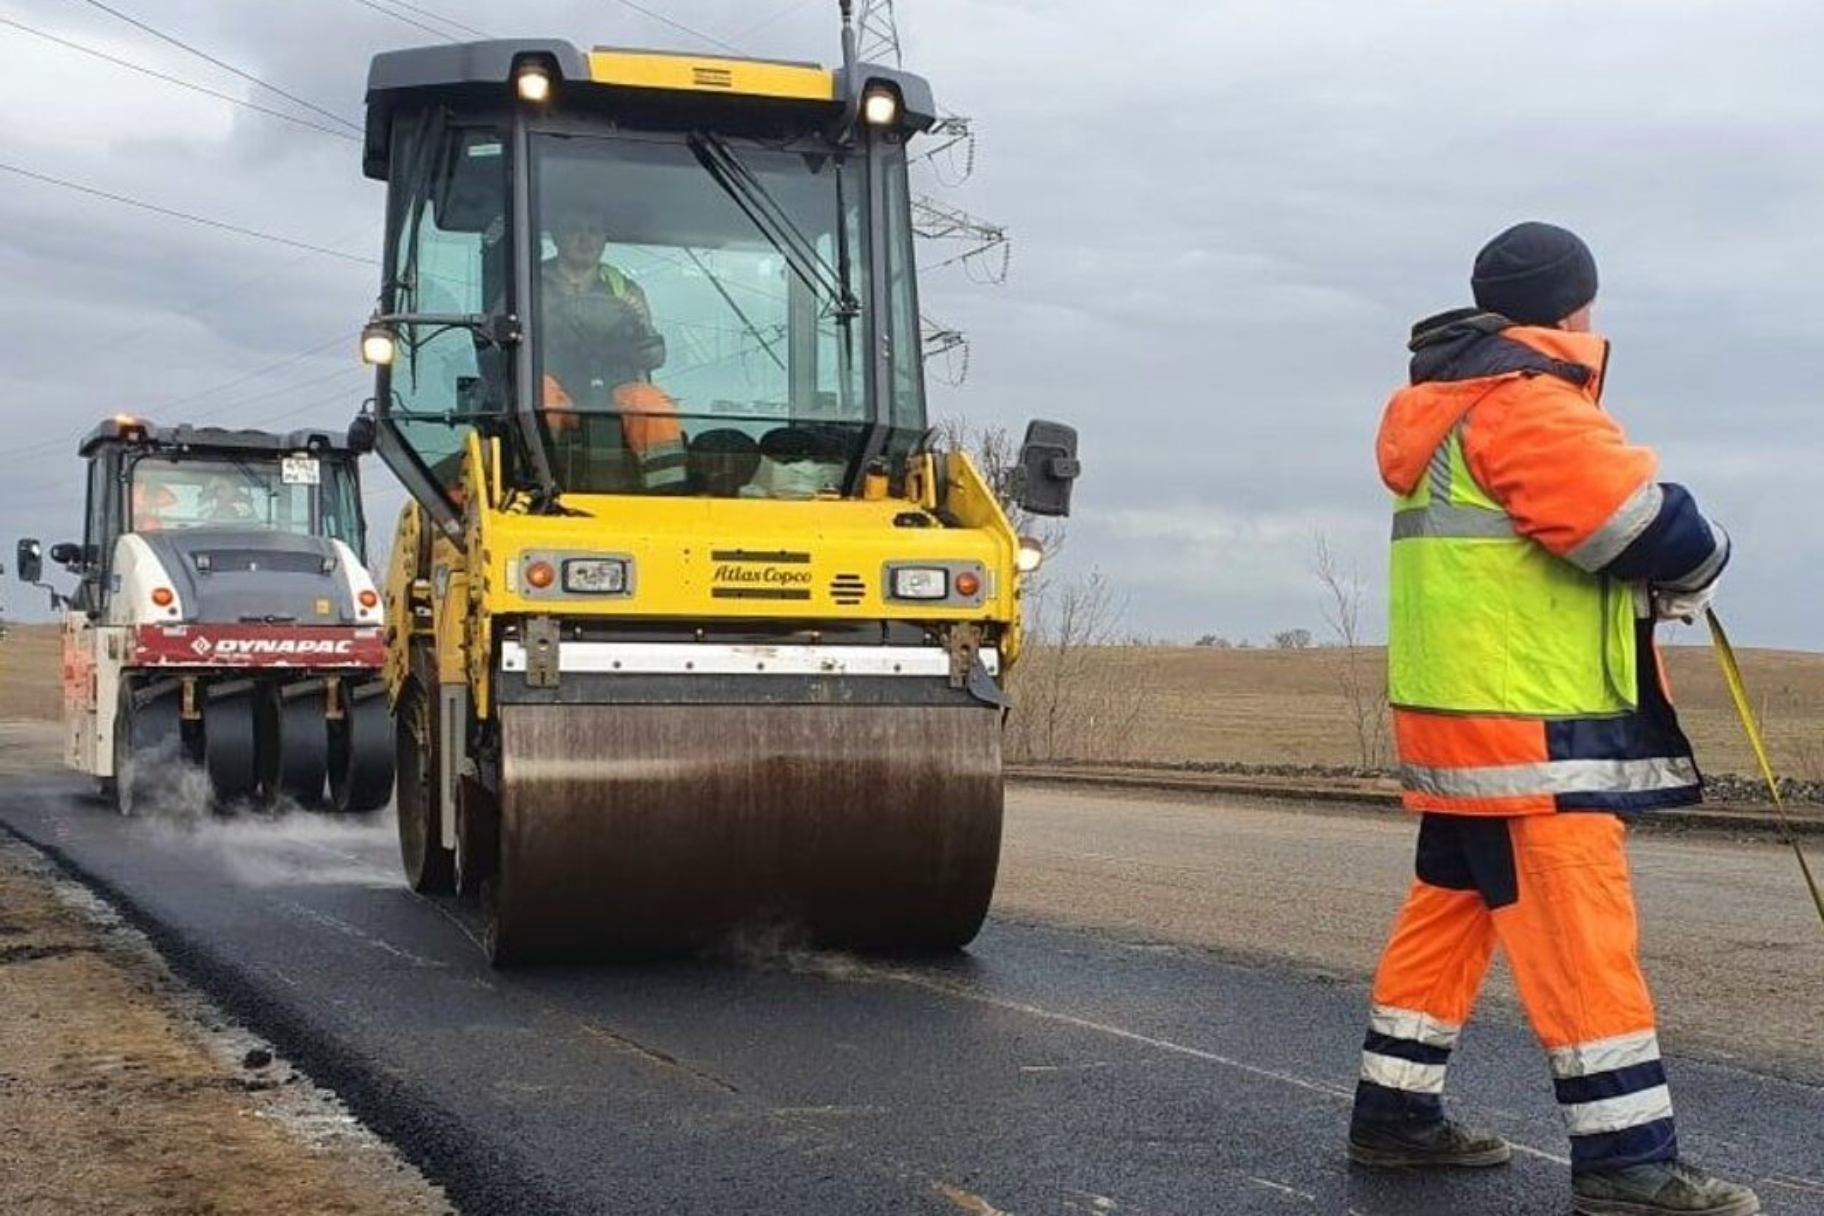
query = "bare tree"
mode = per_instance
[
  {"x": 1073, "y": 698},
  {"x": 996, "y": 453},
  {"x": 1363, "y": 693},
  {"x": 1292, "y": 639}
]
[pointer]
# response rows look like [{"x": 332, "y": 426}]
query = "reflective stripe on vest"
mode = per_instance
[{"x": 1485, "y": 621}]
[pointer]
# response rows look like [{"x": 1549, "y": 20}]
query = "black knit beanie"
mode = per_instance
[{"x": 1534, "y": 274}]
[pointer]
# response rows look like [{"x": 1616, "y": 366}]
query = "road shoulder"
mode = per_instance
[{"x": 124, "y": 1091}]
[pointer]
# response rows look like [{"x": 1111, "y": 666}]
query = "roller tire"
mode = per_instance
[
  {"x": 361, "y": 755},
  {"x": 294, "y": 748},
  {"x": 230, "y": 751},
  {"x": 430, "y": 869},
  {"x": 145, "y": 738}
]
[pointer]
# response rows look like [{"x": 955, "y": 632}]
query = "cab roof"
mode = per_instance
[
  {"x": 138, "y": 432},
  {"x": 481, "y": 72}
]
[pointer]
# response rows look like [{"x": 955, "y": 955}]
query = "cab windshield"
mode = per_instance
[
  {"x": 697, "y": 325},
  {"x": 308, "y": 496}
]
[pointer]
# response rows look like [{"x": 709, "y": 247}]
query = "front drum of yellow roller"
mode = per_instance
[{"x": 633, "y": 830}]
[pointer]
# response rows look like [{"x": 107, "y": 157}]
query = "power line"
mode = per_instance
[
  {"x": 135, "y": 22},
  {"x": 777, "y": 14},
  {"x": 411, "y": 21},
  {"x": 663, "y": 20},
  {"x": 176, "y": 80},
  {"x": 190, "y": 309},
  {"x": 436, "y": 16},
  {"x": 173, "y": 213},
  {"x": 295, "y": 410},
  {"x": 287, "y": 361},
  {"x": 224, "y": 386}
]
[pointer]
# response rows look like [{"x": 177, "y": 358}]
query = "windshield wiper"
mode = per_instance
[{"x": 760, "y": 207}]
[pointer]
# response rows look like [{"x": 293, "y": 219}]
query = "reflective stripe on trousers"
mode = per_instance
[
  {"x": 1613, "y": 1095},
  {"x": 1568, "y": 930},
  {"x": 664, "y": 466},
  {"x": 1552, "y": 777}
]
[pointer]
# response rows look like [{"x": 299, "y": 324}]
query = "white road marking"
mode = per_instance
[
  {"x": 1309, "y": 1084},
  {"x": 1307, "y": 1196}
]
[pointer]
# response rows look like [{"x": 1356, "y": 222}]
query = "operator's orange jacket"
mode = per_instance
[
  {"x": 149, "y": 504},
  {"x": 1537, "y": 441}
]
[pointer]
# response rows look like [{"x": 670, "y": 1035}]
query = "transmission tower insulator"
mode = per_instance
[{"x": 946, "y": 351}]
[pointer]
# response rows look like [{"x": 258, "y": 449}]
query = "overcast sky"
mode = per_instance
[{"x": 1225, "y": 217}]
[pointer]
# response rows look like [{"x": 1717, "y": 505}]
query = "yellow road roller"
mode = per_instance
[{"x": 694, "y": 627}]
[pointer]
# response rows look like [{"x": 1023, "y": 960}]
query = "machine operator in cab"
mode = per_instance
[{"x": 600, "y": 350}]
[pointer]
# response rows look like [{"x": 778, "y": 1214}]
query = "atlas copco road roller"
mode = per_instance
[
  {"x": 222, "y": 616},
  {"x": 694, "y": 625}
]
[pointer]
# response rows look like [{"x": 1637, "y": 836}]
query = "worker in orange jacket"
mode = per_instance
[
  {"x": 1534, "y": 548},
  {"x": 151, "y": 499}
]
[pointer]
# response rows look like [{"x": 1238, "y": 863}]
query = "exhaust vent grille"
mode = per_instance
[{"x": 848, "y": 589}]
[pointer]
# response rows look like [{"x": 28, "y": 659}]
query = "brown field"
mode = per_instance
[
  {"x": 29, "y": 673},
  {"x": 1199, "y": 704}
]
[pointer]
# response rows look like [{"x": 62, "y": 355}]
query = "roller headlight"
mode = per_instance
[
  {"x": 378, "y": 345},
  {"x": 879, "y": 107},
  {"x": 534, "y": 84},
  {"x": 1030, "y": 557},
  {"x": 921, "y": 583},
  {"x": 595, "y": 576}
]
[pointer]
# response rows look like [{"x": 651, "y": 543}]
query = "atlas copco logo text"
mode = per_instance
[
  {"x": 774, "y": 575},
  {"x": 228, "y": 648}
]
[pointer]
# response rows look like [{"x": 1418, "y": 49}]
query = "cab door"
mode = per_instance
[{"x": 90, "y": 678}]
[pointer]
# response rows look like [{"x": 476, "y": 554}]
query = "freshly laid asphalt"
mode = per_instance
[{"x": 1047, "y": 1070}]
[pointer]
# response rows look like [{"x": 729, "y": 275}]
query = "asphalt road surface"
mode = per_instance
[{"x": 1105, "y": 1047}]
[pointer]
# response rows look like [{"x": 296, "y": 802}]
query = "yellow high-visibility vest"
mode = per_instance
[{"x": 1483, "y": 620}]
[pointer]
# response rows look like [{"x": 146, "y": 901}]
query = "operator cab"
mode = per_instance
[
  {"x": 239, "y": 491},
  {"x": 647, "y": 273}
]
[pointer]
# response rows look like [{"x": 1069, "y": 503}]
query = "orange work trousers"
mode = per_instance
[{"x": 1553, "y": 891}]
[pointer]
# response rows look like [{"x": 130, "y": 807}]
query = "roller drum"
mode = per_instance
[{"x": 633, "y": 830}]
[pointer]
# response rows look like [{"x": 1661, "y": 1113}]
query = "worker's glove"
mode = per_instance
[
  {"x": 1685, "y": 598},
  {"x": 1686, "y": 606}
]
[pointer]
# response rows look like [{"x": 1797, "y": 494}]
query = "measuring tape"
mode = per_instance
[{"x": 1732, "y": 675}]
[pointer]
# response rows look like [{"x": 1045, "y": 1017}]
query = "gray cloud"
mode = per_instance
[{"x": 1226, "y": 216}]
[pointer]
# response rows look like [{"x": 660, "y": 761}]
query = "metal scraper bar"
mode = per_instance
[{"x": 690, "y": 658}]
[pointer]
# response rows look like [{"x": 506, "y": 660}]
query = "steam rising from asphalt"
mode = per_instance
[
  {"x": 779, "y": 945},
  {"x": 266, "y": 844}
]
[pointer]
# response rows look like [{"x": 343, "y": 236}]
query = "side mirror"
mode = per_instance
[
  {"x": 361, "y": 434},
  {"x": 30, "y": 561},
  {"x": 1048, "y": 468},
  {"x": 67, "y": 554}
]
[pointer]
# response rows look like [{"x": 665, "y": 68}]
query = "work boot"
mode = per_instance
[
  {"x": 1659, "y": 1188},
  {"x": 1392, "y": 1146}
]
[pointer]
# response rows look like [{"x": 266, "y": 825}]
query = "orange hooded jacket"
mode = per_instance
[{"x": 1536, "y": 440}]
